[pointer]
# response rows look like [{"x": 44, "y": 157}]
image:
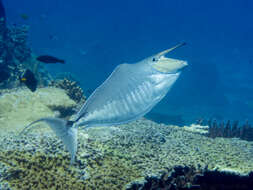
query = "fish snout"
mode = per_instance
[
  {"x": 184, "y": 64},
  {"x": 181, "y": 66}
]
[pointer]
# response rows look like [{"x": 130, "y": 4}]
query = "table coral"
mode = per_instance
[{"x": 20, "y": 107}]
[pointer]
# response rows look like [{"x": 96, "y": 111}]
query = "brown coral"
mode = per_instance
[
  {"x": 38, "y": 171},
  {"x": 72, "y": 89},
  {"x": 229, "y": 129}
]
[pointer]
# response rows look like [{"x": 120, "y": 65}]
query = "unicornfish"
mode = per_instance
[{"x": 130, "y": 92}]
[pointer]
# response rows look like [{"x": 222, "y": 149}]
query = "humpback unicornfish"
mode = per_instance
[{"x": 130, "y": 92}]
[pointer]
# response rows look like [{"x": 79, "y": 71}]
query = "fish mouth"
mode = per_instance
[{"x": 169, "y": 65}]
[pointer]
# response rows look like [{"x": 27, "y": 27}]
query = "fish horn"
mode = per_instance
[{"x": 170, "y": 49}]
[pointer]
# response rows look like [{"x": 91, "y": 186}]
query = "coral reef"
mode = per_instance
[
  {"x": 72, "y": 89},
  {"x": 14, "y": 53},
  {"x": 16, "y": 56},
  {"x": 228, "y": 129},
  {"x": 35, "y": 169},
  {"x": 40, "y": 172},
  {"x": 179, "y": 177},
  {"x": 19, "y": 107},
  {"x": 119, "y": 157},
  {"x": 39, "y": 162},
  {"x": 135, "y": 155},
  {"x": 16, "y": 44},
  {"x": 189, "y": 178}
]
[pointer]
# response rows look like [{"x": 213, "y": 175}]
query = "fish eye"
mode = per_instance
[{"x": 154, "y": 59}]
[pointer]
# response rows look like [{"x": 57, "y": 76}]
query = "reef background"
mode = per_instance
[{"x": 95, "y": 37}]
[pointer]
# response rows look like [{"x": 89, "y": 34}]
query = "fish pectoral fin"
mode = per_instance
[{"x": 63, "y": 131}]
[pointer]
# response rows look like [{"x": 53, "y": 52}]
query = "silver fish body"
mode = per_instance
[{"x": 130, "y": 92}]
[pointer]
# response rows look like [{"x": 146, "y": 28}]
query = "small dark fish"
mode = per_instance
[
  {"x": 4, "y": 75},
  {"x": 49, "y": 59},
  {"x": 29, "y": 80}
]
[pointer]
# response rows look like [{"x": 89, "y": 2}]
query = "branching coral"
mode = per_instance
[
  {"x": 228, "y": 129},
  {"x": 72, "y": 89},
  {"x": 101, "y": 168},
  {"x": 38, "y": 171}
]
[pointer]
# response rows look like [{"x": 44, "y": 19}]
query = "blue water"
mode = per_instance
[{"x": 95, "y": 36}]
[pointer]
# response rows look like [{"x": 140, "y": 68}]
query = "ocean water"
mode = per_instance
[
  {"x": 95, "y": 36},
  {"x": 164, "y": 148}
]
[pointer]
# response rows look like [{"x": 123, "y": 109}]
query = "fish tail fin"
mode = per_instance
[{"x": 63, "y": 130}]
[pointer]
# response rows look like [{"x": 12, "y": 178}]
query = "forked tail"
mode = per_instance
[{"x": 63, "y": 129}]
